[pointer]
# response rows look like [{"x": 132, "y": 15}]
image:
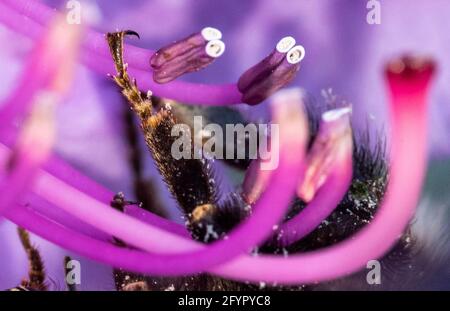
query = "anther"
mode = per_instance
[
  {"x": 332, "y": 146},
  {"x": 187, "y": 55},
  {"x": 272, "y": 73}
]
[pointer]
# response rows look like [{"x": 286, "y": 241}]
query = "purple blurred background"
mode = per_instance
[{"x": 344, "y": 53}]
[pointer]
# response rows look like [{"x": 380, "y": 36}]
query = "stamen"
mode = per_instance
[
  {"x": 256, "y": 179},
  {"x": 188, "y": 55},
  {"x": 327, "y": 179},
  {"x": 272, "y": 73},
  {"x": 332, "y": 145},
  {"x": 262, "y": 69}
]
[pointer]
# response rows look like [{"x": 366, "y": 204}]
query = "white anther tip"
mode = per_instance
[
  {"x": 292, "y": 94},
  {"x": 336, "y": 114},
  {"x": 285, "y": 44},
  {"x": 210, "y": 33},
  {"x": 296, "y": 54},
  {"x": 215, "y": 48}
]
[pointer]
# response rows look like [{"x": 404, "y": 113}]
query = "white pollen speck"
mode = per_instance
[
  {"x": 168, "y": 106},
  {"x": 210, "y": 232}
]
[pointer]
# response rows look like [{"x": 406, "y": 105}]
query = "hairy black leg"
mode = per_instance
[{"x": 36, "y": 271}]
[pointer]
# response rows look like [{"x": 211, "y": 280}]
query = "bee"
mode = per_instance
[{"x": 192, "y": 183}]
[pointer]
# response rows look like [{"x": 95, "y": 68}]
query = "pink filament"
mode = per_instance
[
  {"x": 35, "y": 142},
  {"x": 18, "y": 102},
  {"x": 149, "y": 218},
  {"x": 322, "y": 205},
  {"x": 407, "y": 167},
  {"x": 15, "y": 183},
  {"x": 42, "y": 207},
  {"x": 338, "y": 179},
  {"x": 374, "y": 240},
  {"x": 72, "y": 240},
  {"x": 39, "y": 15},
  {"x": 255, "y": 182},
  {"x": 255, "y": 229},
  {"x": 326, "y": 199}
]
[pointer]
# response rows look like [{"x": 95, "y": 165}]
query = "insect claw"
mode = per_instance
[{"x": 131, "y": 33}]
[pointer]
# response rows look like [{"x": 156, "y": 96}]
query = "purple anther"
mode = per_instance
[
  {"x": 188, "y": 55},
  {"x": 272, "y": 73}
]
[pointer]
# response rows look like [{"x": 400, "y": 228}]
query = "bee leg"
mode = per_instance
[{"x": 36, "y": 272}]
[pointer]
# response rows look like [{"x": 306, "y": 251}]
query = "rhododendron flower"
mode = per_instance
[{"x": 86, "y": 136}]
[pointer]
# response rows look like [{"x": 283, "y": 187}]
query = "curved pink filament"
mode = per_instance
[
  {"x": 321, "y": 206},
  {"x": 255, "y": 229},
  {"x": 408, "y": 163},
  {"x": 36, "y": 138},
  {"x": 319, "y": 265}
]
